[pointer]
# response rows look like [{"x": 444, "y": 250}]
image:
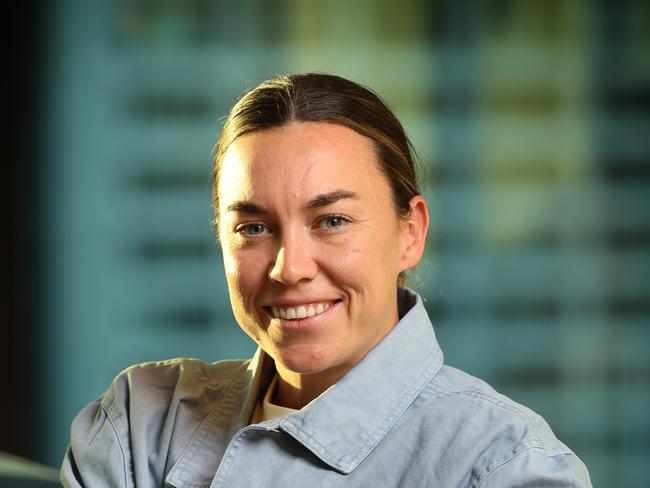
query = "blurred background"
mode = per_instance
[{"x": 532, "y": 118}]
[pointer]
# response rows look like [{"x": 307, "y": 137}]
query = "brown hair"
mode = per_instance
[{"x": 316, "y": 97}]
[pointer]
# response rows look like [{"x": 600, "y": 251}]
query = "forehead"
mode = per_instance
[{"x": 298, "y": 161}]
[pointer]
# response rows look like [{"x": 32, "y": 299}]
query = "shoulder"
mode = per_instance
[
  {"x": 500, "y": 440},
  {"x": 477, "y": 402},
  {"x": 145, "y": 417},
  {"x": 162, "y": 384},
  {"x": 153, "y": 394},
  {"x": 182, "y": 370}
]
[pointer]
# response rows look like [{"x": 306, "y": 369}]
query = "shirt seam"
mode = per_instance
[
  {"x": 497, "y": 403},
  {"x": 488, "y": 398},
  {"x": 498, "y": 465},
  {"x": 192, "y": 443},
  {"x": 228, "y": 457},
  {"x": 111, "y": 421}
]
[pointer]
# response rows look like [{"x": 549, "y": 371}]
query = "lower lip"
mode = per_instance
[{"x": 306, "y": 323}]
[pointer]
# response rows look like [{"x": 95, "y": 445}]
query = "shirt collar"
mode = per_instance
[
  {"x": 375, "y": 393},
  {"x": 241, "y": 390}
]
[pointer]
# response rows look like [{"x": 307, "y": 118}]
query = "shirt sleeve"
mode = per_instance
[
  {"x": 536, "y": 467},
  {"x": 96, "y": 457}
]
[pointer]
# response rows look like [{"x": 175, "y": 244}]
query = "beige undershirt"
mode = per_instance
[{"x": 265, "y": 410}]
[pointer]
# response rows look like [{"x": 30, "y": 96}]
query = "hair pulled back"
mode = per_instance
[{"x": 316, "y": 97}]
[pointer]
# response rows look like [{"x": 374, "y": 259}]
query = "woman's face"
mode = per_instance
[{"x": 311, "y": 243}]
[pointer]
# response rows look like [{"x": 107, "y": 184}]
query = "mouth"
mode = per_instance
[{"x": 299, "y": 312}]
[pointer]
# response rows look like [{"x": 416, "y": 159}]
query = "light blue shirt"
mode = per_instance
[{"x": 400, "y": 418}]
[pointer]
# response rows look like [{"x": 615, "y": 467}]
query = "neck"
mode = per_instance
[{"x": 295, "y": 390}]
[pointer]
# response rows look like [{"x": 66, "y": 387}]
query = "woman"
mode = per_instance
[{"x": 319, "y": 216}]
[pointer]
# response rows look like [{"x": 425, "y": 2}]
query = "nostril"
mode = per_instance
[{"x": 293, "y": 261}]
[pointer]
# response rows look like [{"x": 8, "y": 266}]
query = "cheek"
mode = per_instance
[
  {"x": 245, "y": 272},
  {"x": 379, "y": 247},
  {"x": 231, "y": 266},
  {"x": 241, "y": 289},
  {"x": 362, "y": 261},
  {"x": 227, "y": 253}
]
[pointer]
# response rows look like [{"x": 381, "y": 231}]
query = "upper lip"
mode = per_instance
[{"x": 294, "y": 302}]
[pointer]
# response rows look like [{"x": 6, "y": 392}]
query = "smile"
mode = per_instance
[{"x": 300, "y": 311}]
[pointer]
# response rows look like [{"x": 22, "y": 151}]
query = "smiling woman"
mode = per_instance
[
  {"x": 326, "y": 237},
  {"x": 319, "y": 216}
]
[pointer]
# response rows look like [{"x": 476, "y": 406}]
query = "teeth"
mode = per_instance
[{"x": 300, "y": 312}]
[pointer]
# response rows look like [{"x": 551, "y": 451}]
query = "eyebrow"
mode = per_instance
[
  {"x": 318, "y": 201},
  {"x": 247, "y": 207},
  {"x": 330, "y": 198}
]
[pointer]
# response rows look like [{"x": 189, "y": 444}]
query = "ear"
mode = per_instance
[{"x": 416, "y": 226}]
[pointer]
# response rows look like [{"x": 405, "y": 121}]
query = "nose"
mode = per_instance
[{"x": 294, "y": 261}]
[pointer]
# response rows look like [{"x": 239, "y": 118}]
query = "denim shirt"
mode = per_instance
[{"x": 399, "y": 418}]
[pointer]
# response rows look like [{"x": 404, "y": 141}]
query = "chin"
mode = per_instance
[{"x": 304, "y": 362}]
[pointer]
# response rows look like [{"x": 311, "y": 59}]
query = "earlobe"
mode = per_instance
[{"x": 417, "y": 225}]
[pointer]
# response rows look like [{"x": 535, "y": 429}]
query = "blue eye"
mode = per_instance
[
  {"x": 254, "y": 229},
  {"x": 333, "y": 221}
]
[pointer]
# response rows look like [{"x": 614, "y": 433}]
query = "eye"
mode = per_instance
[
  {"x": 332, "y": 222},
  {"x": 251, "y": 230}
]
